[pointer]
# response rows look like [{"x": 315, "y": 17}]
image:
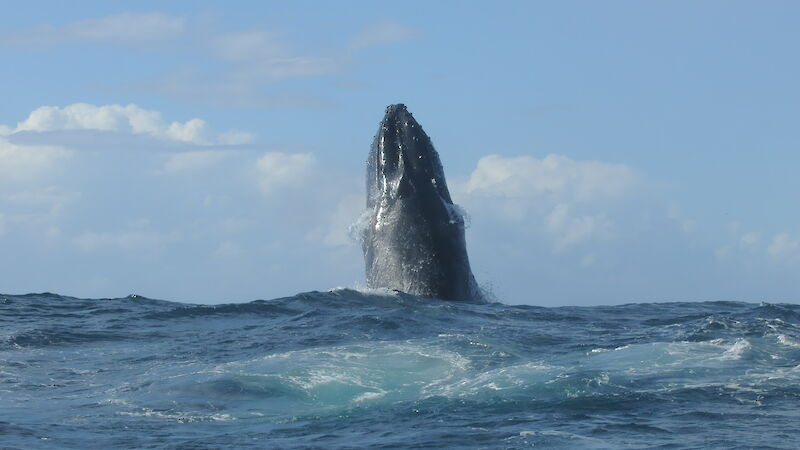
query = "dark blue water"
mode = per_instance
[{"x": 348, "y": 369}]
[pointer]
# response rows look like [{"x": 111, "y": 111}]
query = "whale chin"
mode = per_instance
[{"x": 414, "y": 239}]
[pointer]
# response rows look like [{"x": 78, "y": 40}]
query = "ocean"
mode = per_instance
[{"x": 378, "y": 369}]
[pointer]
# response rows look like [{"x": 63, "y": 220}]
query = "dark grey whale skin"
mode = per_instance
[{"x": 414, "y": 237}]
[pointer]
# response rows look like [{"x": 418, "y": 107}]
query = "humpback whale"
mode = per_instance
[{"x": 413, "y": 240}]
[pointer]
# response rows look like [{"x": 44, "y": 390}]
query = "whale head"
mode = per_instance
[
  {"x": 403, "y": 162},
  {"x": 414, "y": 240}
]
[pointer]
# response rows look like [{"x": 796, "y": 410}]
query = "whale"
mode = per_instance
[{"x": 413, "y": 237}]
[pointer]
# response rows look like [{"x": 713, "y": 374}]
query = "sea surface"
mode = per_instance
[{"x": 377, "y": 369}]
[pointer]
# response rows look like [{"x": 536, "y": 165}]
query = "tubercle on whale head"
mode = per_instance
[{"x": 402, "y": 160}]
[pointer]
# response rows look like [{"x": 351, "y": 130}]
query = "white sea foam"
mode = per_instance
[
  {"x": 739, "y": 348},
  {"x": 787, "y": 341}
]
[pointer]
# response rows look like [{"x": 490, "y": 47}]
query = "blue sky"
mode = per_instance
[{"x": 606, "y": 152}]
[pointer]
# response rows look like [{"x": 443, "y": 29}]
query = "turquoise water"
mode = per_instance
[{"x": 349, "y": 369}]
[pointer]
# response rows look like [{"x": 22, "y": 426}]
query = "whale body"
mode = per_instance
[{"x": 413, "y": 240}]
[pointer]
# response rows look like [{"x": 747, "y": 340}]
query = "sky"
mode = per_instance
[{"x": 605, "y": 152}]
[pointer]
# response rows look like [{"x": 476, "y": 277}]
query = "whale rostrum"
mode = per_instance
[{"x": 413, "y": 240}]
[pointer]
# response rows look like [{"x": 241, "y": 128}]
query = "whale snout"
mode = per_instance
[
  {"x": 402, "y": 161},
  {"x": 396, "y": 108}
]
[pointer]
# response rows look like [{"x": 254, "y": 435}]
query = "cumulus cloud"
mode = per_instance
[
  {"x": 21, "y": 162},
  {"x": 564, "y": 198},
  {"x": 277, "y": 170},
  {"x": 383, "y": 32},
  {"x": 125, "y": 28},
  {"x": 38, "y": 200},
  {"x": 570, "y": 229},
  {"x": 553, "y": 176},
  {"x": 130, "y": 119}
]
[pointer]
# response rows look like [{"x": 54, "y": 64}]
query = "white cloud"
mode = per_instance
[
  {"x": 554, "y": 176},
  {"x": 570, "y": 229},
  {"x": 383, "y": 32},
  {"x": 19, "y": 162},
  {"x": 276, "y": 170},
  {"x": 125, "y": 28},
  {"x": 130, "y": 119},
  {"x": 194, "y": 131},
  {"x": 569, "y": 201}
]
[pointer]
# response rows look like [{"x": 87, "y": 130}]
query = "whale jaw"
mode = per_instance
[{"x": 414, "y": 240}]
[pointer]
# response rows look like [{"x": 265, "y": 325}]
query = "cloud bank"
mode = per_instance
[{"x": 176, "y": 220}]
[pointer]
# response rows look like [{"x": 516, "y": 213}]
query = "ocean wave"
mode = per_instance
[{"x": 358, "y": 366}]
